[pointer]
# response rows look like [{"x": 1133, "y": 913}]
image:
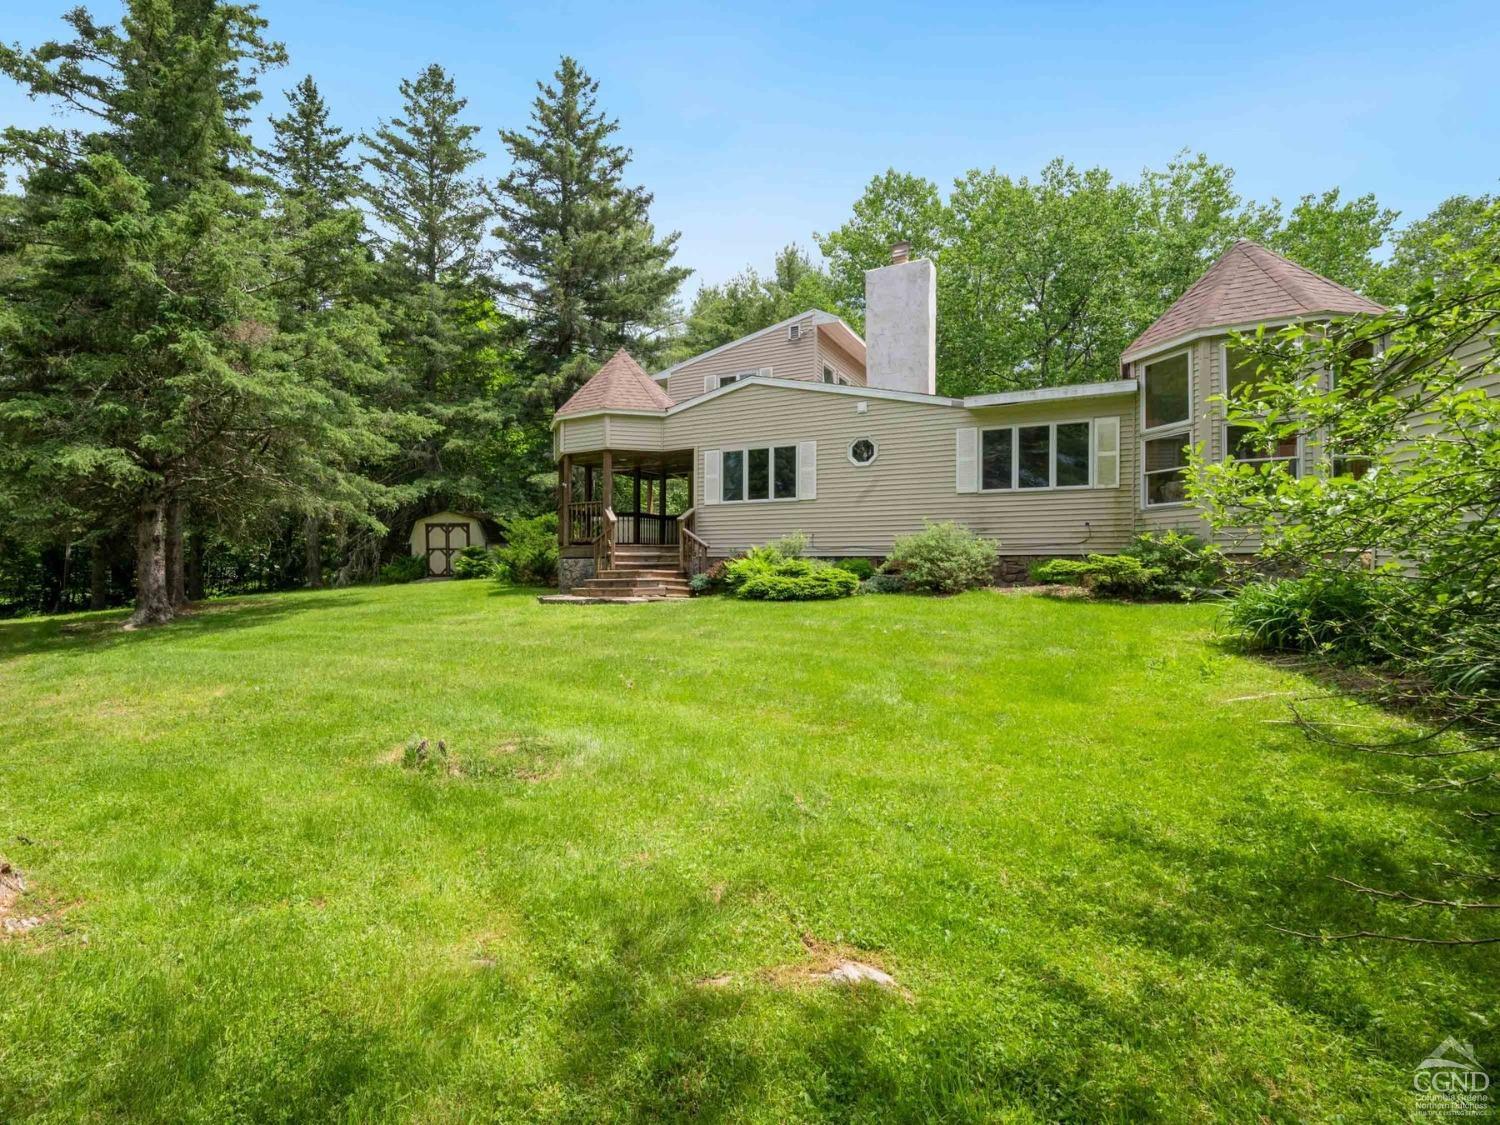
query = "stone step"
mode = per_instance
[{"x": 620, "y": 584}]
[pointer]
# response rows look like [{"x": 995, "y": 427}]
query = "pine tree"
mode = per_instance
[
  {"x": 588, "y": 269},
  {"x": 329, "y": 315},
  {"x": 431, "y": 209},
  {"x": 445, "y": 335},
  {"x": 147, "y": 370}
]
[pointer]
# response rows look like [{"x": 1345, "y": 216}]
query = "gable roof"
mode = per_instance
[
  {"x": 1248, "y": 285},
  {"x": 817, "y": 316},
  {"x": 619, "y": 385}
]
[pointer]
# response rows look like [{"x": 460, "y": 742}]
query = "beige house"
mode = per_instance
[{"x": 804, "y": 426}]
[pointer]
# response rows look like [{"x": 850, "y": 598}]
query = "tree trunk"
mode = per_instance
[
  {"x": 176, "y": 576},
  {"x": 153, "y": 601},
  {"x": 98, "y": 575},
  {"x": 193, "y": 565},
  {"x": 313, "y": 531}
]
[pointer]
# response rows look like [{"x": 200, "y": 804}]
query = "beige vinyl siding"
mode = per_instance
[
  {"x": 788, "y": 359},
  {"x": 840, "y": 360},
  {"x": 861, "y": 509},
  {"x": 637, "y": 433},
  {"x": 579, "y": 435}
]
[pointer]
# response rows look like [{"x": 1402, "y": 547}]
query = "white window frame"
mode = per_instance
[
  {"x": 1168, "y": 430},
  {"x": 770, "y": 447},
  {"x": 727, "y": 380},
  {"x": 1297, "y": 459},
  {"x": 830, "y": 376},
  {"x": 1015, "y": 457},
  {"x": 849, "y": 452}
]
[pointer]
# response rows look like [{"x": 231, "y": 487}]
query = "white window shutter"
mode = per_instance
[
  {"x": 711, "y": 487},
  {"x": 764, "y": 372},
  {"x": 1106, "y": 452},
  {"x": 708, "y": 383},
  {"x": 966, "y": 458},
  {"x": 807, "y": 470}
]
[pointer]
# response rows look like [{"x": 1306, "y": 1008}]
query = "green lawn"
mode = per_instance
[{"x": 1063, "y": 828}]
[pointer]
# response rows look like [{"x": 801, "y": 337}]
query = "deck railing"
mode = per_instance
[
  {"x": 604, "y": 545},
  {"x": 692, "y": 552},
  {"x": 647, "y": 529},
  {"x": 585, "y": 521}
]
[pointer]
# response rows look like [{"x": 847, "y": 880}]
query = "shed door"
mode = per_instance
[{"x": 444, "y": 540}]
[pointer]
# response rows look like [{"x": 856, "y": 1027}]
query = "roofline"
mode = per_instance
[
  {"x": 973, "y": 402},
  {"x": 1134, "y": 352},
  {"x": 1054, "y": 394},
  {"x": 818, "y": 317}
]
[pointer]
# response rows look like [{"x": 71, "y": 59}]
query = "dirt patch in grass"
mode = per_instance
[
  {"x": 527, "y": 758},
  {"x": 826, "y": 963},
  {"x": 14, "y": 919}
]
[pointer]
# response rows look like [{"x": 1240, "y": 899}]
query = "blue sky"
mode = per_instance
[{"x": 756, "y": 125}]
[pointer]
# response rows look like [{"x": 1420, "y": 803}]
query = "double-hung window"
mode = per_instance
[
  {"x": 1046, "y": 455},
  {"x": 1167, "y": 427},
  {"x": 1240, "y": 442},
  {"x": 759, "y": 472}
]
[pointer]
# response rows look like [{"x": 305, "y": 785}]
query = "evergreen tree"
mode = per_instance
[
  {"x": 748, "y": 302},
  {"x": 445, "y": 336},
  {"x": 329, "y": 315},
  {"x": 146, "y": 370},
  {"x": 587, "y": 268}
]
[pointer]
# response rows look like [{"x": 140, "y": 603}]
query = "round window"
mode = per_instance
[{"x": 862, "y": 451}]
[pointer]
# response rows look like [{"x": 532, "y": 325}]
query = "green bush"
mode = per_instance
[
  {"x": 766, "y": 574},
  {"x": 1186, "y": 566},
  {"x": 1107, "y": 576},
  {"x": 884, "y": 584},
  {"x": 1334, "y": 614},
  {"x": 701, "y": 584},
  {"x": 404, "y": 568},
  {"x": 792, "y": 546},
  {"x": 529, "y": 556},
  {"x": 863, "y": 569},
  {"x": 943, "y": 558},
  {"x": 475, "y": 562}
]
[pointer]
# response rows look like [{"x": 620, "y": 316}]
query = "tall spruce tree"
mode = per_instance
[
  {"x": 445, "y": 336},
  {"x": 147, "y": 370},
  {"x": 329, "y": 315},
  {"x": 586, "y": 266}
]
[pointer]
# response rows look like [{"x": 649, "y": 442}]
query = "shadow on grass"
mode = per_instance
[
  {"x": 76, "y": 634},
  {"x": 640, "y": 1032}
]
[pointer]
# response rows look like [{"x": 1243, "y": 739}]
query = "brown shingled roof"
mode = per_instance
[
  {"x": 619, "y": 385},
  {"x": 1249, "y": 285}
]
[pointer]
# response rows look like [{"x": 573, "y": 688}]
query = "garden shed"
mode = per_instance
[{"x": 443, "y": 535}]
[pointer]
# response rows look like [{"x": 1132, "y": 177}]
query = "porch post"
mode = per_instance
[
  {"x": 609, "y": 480},
  {"x": 661, "y": 496},
  {"x": 637, "y": 503},
  {"x": 565, "y": 500},
  {"x": 588, "y": 482}
]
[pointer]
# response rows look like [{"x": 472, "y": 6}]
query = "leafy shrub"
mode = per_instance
[
  {"x": 943, "y": 558},
  {"x": 404, "y": 568},
  {"x": 701, "y": 584},
  {"x": 818, "y": 584},
  {"x": 792, "y": 546},
  {"x": 863, "y": 569},
  {"x": 1108, "y": 576},
  {"x": 1186, "y": 565},
  {"x": 884, "y": 584},
  {"x": 766, "y": 574},
  {"x": 1319, "y": 613},
  {"x": 529, "y": 556},
  {"x": 474, "y": 562}
]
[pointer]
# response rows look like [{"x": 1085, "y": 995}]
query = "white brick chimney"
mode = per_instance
[{"x": 901, "y": 324}]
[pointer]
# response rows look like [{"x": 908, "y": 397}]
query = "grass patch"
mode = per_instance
[{"x": 1062, "y": 827}]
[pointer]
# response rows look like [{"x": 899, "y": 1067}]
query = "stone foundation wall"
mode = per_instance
[
  {"x": 1015, "y": 570},
  {"x": 573, "y": 572}
]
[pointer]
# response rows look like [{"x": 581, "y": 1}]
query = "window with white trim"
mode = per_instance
[
  {"x": 759, "y": 472},
  {"x": 1241, "y": 372},
  {"x": 1166, "y": 388},
  {"x": 1046, "y": 455},
  {"x": 830, "y": 376},
  {"x": 1164, "y": 460},
  {"x": 1167, "y": 425},
  {"x": 725, "y": 380},
  {"x": 863, "y": 451}
]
